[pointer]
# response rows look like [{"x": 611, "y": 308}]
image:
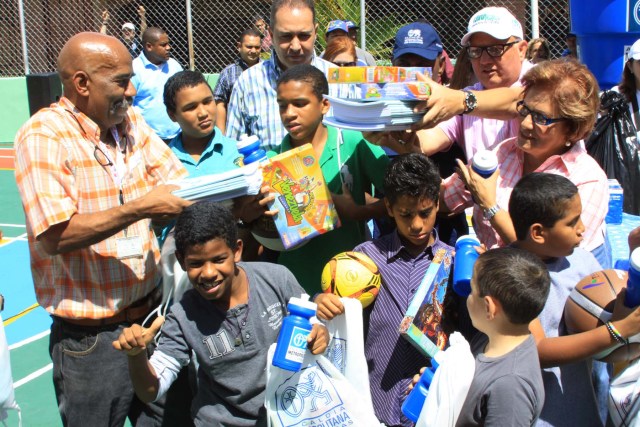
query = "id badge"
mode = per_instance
[{"x": 129, "y": 247}]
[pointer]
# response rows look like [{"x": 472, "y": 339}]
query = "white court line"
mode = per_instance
[
  {"x": 20, "y": 238},
  {"x": 32, "y": 376},
  {"x": 13, "y": 225},
  {"x": 29, "y": 340}
]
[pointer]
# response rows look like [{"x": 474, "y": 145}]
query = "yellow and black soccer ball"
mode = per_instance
[{"x": 352, "y": 275}]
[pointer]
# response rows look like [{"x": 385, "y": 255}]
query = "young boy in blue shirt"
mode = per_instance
[
  {"x": 411, "y": 188},
  {"x": 201, "y": 147},
  {"x": 350, "y": 165},
  {"x": 228, "y": 320},
  {"x": 545, "y": 209}
]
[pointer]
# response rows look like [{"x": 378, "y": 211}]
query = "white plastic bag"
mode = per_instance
[
  {"x": 624, "y": 396},
  {"x": 450, "y": 385},
  {"x": 7, "y": 396},
  {"x": 174, "y": 279},
  {"x": 317, "y": 395},
  {"x": 327, "y": 391},
  {"x": 346, "y": 349}
]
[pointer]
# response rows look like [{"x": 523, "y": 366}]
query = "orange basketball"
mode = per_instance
[{"x": 590, "y": 305}]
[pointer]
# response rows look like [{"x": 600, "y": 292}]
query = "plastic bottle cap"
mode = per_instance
[
  {"x": 246, "y": 140},
  {"x": 303, "y": 302},
  {"x": 485, "y": 161},
  {"x": 469, "y": 239},
  {"x": 257, "y": 155},
  {"x": 634, "y": 259}
]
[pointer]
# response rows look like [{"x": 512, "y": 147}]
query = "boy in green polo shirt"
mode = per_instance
[{"x": 350, "y": 166}]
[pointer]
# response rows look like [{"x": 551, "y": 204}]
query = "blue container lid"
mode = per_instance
[
  {"x": 256, "y": 156},
  {"x": 247, "y": 144},
  {"x": 467, "y": 239},
  {"x": 303, "y": 305}
]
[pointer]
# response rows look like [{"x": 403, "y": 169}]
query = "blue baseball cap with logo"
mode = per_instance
[
  {"x": 337, "y": 25},
  {"x": 351, "y": 24},
  {"x": 418, "y": 38}
]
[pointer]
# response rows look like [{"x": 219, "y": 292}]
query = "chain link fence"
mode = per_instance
[
  {"x": 450, "y": 19},
  {"x": 204, "y": 33}
]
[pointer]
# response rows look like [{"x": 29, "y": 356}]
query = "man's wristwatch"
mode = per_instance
[
  {"x": 470, "y": 101},
  {"x": 490, "y": 212}
]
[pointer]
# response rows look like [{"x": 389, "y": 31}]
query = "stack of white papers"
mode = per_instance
[
  {"x": 243, "y": 181},
  {"x": 371, "y": 115}
]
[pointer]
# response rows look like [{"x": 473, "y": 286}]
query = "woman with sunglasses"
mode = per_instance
[
  {"x": 557, "y": 111},
  {"x": 341, "y": 51}
]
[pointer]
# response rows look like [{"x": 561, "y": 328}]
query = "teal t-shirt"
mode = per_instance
[
  {"x": 219, "y": 156},
  {"x": 361, "y": 165}
]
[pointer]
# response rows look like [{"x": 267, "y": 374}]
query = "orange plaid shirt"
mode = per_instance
[{"x": 58, "y": 176}]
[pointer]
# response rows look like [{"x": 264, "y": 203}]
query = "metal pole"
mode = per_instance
[
  {"x": 363, "y": 27},
  {"x": 192, "y": 60},
  {"x": 23, "y": 36},
  {"x": 535, "y": 21}
]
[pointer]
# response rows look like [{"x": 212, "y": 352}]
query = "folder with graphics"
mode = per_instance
[
  {"x": 421, "y": 324},
  {"x": 305, "y": 207}
]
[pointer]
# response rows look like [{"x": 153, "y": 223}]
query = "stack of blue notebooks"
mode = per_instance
[
  {"x": 243, "y": 181},
  {"x": 384, "y": 115}
]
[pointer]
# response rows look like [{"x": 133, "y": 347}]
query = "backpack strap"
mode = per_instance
[{"x": 636, "y": 115}]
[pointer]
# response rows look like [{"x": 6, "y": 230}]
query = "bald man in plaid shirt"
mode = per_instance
[{"x": 90, "y": 172}]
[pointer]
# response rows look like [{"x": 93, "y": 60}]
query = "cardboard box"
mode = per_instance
[
  {"x": 409, "y": 91},
  {"x": 421, "y": 323},
  {"x": 305, "y": 206},
  {"x": 375, "y": 74}
]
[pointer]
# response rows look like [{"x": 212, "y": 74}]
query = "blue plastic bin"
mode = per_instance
[{"x": 604, "y": 28}]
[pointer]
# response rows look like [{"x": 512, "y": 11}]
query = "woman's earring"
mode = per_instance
[{"x": 568, "y": 144}]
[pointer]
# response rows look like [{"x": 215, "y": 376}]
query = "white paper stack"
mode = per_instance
[
  {"x": 243, "y": 181},
  {"x": 384, "y": 115}
]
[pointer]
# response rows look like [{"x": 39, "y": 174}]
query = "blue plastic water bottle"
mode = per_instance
[
  {"x": 632, "y": 298},
  {"x": 484, "y": 163},
  {"x": 465, "y": 259},
  {"x": 292, "y": 339},
  {"x": 249, "y": 147},
  {"x": 412, "y": 406}
]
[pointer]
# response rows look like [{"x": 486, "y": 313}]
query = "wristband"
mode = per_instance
[{"x": 615, "y": 334}]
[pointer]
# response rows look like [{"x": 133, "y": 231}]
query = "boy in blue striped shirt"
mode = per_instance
[{"x": 411, "y": 186}]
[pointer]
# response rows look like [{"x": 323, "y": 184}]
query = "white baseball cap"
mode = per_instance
[
  {"x": 498, "y": 22},
  {"x": 634, "y": 52},
  {"x": 128, "y": 26}
]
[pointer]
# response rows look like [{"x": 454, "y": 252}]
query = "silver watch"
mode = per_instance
[
  {"x": 470, "y": 102},
  {"x": 491, "y": 212}
]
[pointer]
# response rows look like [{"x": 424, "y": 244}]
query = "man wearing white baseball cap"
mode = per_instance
[
  {"x": 495, "y": 44},
  {"x": 630, "y": 83},
  {"x": 128, "y": 35}
]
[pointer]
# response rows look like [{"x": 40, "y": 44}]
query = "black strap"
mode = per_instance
[{"x": 636, "y": 115}]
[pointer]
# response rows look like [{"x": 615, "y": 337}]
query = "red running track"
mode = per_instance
[{"x": 6, "y": 158}]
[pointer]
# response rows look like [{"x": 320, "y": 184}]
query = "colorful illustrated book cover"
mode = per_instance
[
  {"x": 379, "y": 74},
  {"x": 421, "y": 323},
  {"x": 409, "y": 91},
  {"x": 305, "y": 206}
]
